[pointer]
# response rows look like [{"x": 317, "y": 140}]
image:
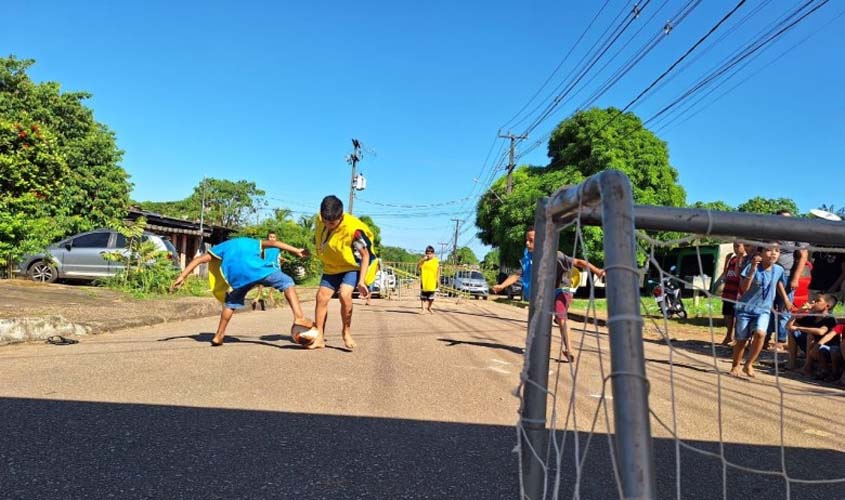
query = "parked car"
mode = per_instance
[
  {"x": 81, "y": 256},
  {"x": 471, "y": 282},
  {"x": 384, "y": 283}
]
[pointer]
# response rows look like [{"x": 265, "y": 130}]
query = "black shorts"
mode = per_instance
[
  {"x": 728, "y": 308},
  {"x": 427, "y": 296}
]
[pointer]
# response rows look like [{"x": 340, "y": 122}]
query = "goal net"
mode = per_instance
[{"x": 661, "y": 415}]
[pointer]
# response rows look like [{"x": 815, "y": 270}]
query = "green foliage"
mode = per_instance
[
  {"x": 87, "y": 187},
  {"x": 146, "y": 270},
  {"x": 396, "y": 254},
  {"x": 585, "y": 144},
  {"x": 366, "y": 219},
  {"x": 768, "y": 206},
  {"x": 227, "y": 203},
  {"x": 463, "y": 255},
  {"x": 719, "y": 205},
  {"x": 31, "y": 167},
  {"x": 491, "y": 260}
]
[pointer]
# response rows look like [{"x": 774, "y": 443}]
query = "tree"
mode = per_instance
[
  {"x": 91, "y": 189},
  {"x": 718, "y": 205},
  {"x": 585, "y": 144},
  {"x": 396, "y": 254},
  {"x": 491, "y": 260},
  {"x": 768, "y": 206},
  {"x": 366, "y": 219},
  {"x": 463, "y": 255},
  {"x": 227, "y": 203},
  {"x": 30, "y": 168}
]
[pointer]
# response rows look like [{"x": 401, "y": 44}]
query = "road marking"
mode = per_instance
[
  {"x": 499, "y": 361},
  {"x": 497, "y": 369},
  {"x": 816, "y": 432}
]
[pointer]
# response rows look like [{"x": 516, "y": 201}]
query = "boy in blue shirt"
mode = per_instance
[
  {"x": 242, "y": 264},
  {"x": 761, "y": 279}
]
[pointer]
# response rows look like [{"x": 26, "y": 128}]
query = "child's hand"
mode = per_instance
[
  {"x": 177, "y": 284},
  {"x": 363, "y": 291},
  {"x": 302, "y": 253},
  {"x": 757, "y": 259},
  {"x": 601, "y": 273}
]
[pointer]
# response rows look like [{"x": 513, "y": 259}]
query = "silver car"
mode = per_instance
[
  {"x": 81, "y": 256},
  {"x": 471, "y": 282}
]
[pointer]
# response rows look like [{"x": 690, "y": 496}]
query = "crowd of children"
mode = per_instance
[{"x": 757, "y": 298}]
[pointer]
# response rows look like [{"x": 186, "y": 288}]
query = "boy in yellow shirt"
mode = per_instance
[
  {"x": 429, "y": 268},
  {"x": 344, "y": 245}
]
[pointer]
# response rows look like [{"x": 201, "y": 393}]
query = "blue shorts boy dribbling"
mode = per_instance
[
  {"x": 747, "y": 324},
  {"x": 333, "y": 281},
  {"x": 278, "y": 280}
]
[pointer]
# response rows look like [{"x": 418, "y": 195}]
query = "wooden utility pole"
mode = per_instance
[
  {"x": 455, "y": 242},
  {"x": 511, "y": 162}
]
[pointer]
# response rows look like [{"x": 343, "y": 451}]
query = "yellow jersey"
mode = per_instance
[
  {"x": 428, "y": 274},
  {"x": 335, "y": 250}
]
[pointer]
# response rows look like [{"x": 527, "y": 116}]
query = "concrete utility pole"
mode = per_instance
[
  {"x": 353, "y": 160},
  {"x": 511, "y": 162},
  {"x": 455, "y": 243},
  {"x": 443, "y": 246}
]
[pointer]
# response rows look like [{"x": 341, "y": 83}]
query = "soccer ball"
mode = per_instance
[{"x": 304, "y": 333}]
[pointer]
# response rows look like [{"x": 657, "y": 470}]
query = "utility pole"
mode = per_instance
[
  {"x": 511, "y": 162},
  {"x": 443, "y": 246},
  {"x": 353, "y": 160},
  {"x": 455, "y": 243},
  {"x": 202, "y": 213}
]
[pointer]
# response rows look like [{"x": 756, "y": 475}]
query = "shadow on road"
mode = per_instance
[
  {"x": 490, "y": 345},
  {"x": 66, "y": 449}
]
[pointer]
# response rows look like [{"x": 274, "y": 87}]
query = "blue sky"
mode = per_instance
[{"x": 273, "y": 92}]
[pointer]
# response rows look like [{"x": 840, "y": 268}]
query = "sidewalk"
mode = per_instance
[{"x": 32, "y": 311}]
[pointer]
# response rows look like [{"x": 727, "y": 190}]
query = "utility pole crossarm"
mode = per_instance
[{"x": 511, "y": 161}]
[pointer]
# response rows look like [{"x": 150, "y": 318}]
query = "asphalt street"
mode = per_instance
[{"x": 422, "y": 409}]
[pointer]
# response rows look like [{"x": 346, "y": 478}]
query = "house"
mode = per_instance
[{"x": 189, "y": 237}]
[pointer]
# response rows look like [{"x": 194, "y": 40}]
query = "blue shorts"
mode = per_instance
[
  {"x": 334, "y": 281},
  {"x": 747, "y": 324},
  {"x": 278, "y": 280}
]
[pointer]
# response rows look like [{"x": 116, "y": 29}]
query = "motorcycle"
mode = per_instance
[{"x": 667, "y": 294}]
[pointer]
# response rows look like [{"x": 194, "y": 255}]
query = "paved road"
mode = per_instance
[{"x": 422, "y": 409}]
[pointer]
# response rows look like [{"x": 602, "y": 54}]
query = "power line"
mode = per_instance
[
  {"x": 668, "y": 125},
  {"x": 618, "y": 32},
  {"x": 746, "y": 52},
  {"x": 557, "y": 68},
  {"x": 675, "y": 64}
]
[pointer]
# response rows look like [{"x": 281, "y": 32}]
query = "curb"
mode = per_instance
[
  {"x": 38, "y": 329},
  {"x": 17, "y": 330}
]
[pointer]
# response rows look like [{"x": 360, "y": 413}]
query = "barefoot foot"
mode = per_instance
[
  {"x": 349, "y": 341},
  {"x": 735, "y": 372},
  {"x": 318, "y": 343},
  {"x": 749, "y": 370}
]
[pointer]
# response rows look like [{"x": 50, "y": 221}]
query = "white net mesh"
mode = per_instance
[{"x": 778, "y": 434}]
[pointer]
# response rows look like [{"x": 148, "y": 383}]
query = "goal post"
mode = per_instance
[
  {"x": 606, "y": 200},
  {"x": 611, "y": 190}
]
